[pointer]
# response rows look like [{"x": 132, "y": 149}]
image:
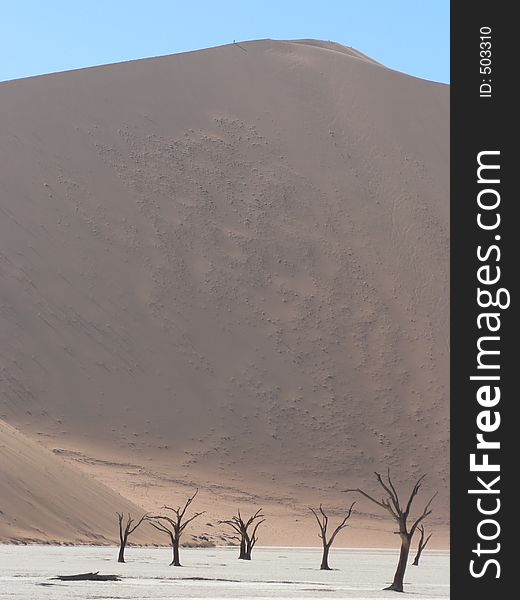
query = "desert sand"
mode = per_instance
[
  {"x": 44, "y": 495},
  {"x": 225, "y": 270}
]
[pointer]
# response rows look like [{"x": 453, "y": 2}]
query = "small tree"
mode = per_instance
[
  {"x": 323, "y": 522},
  {"x": 400, "y": 515},
  {"x": 125, "y": 530},
  {"x": 174, "y": 526},
  {"x": 247, "y": 538},
  {"x": 421, "y": 546}
]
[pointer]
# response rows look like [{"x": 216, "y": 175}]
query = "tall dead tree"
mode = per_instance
[
  {"x": 323, "y": 523},
  {"x": 125, "y": 530},
  {"x": 400, "y": 514},
  {"x": 421, "y": 546},
  {"x": 245, "y": 534},
  {"x": 175, "y": 525}
]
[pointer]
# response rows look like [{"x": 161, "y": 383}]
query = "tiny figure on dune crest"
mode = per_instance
[
  {"x": 421, "y": 546},
  {"x": 323, "y": 523},
  {"x": 246, "y": 536},
  {"x": 400, "y": 514},
  {"x": 125, "y": 530},
  {"x": 174, "y": 526}
]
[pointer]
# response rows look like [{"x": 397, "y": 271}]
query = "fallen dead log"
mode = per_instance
[{"x": 88, "y": 577}]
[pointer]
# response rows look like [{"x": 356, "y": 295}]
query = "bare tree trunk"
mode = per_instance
[
  {"x": 422, "y": 546},
  {"x": 121, "y": 557},
  {"x": 398, "y": 583},
  {"x": 176, "y": 562},
  {"x": 243, "y": 551},
  {"x": 417, "y": 558},
  {"x": 248, "y": 549},
  {"x": 325, "y": 558}
]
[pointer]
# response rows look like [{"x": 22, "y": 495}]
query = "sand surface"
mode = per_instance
[
  {"x": 43, "y": 496},
  {"x": 227, "y": 269},
  {"x": 273, "y": 573}
]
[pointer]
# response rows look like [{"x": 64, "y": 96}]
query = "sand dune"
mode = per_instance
[
  {"x": 43, "y": 499},
  {"x": 229, "y": 269}
]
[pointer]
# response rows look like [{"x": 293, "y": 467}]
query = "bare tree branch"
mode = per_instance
[
  {"x": 143, "y": 518},
  {"x": 388, "y": 490},
  {"x": 381, "y": 504},
  {"x": 427, "y": 511},
  {"x": 392, "y": 486},
  {"x": 159, "y": 526},
  {"x": 415, "y": 490},
  {"x": 342, "y": 525}
]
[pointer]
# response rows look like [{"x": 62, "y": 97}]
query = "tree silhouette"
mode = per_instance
[
  {"x": 125, "y": 530},
  {"x": 421, "y": 546},
  {"x": 393, "y": 506},
  {"x": 247, "y": 538},
  {"x": 174, "y": 526},
  {"x": 323, "y": 523}
]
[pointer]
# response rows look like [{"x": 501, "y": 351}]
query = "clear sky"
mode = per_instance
[{"x": 40, "y": 36}]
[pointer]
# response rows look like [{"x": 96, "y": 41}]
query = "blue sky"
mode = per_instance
[{"x": 39, "y": 36}]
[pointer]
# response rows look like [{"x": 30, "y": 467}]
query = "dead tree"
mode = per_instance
[
  {"x": 125, "y": 530},
  {"x": 392, "y": 505},
  {"x": 421, "y": 546},
  {"x": 247, "y": 538},
  {"x": 174, "y": 526},
  {"x": 88, "y": 577},
  {"x": 323, "y": 523}
]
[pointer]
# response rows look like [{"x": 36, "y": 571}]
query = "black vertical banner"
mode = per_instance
[{"x": 484, "y": 325}]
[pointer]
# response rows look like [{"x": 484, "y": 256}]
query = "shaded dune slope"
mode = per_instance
[{"x": 43, "y": 499}]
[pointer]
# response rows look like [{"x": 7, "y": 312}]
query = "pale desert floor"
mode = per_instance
[{"x": 273, "y": 573}]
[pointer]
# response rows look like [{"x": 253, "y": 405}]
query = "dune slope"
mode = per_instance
[
  {"x": 229, "y": 269},
  {"x": 43, "y": 499}
]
